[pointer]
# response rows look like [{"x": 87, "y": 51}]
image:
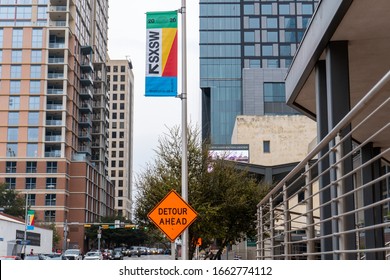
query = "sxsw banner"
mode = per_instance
[{"x": 161, "y": 54}]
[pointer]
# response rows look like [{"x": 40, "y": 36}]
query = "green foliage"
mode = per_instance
[
  {"x": 224, "y": 197},
  {"x": 12, "y": 202}
]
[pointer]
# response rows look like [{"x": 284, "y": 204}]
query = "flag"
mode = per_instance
[
  {"x": 161, "y": 54},
  {"x": 30, "y": 219}
]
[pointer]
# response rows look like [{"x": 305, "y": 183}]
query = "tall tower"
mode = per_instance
[
  {"x": 121, "y": 83},
  {"x": 246, "y": 47},
  {"x": 53, "y": 102}
]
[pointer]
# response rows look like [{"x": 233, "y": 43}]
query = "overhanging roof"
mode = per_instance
[{"x": 364, "y": 24}]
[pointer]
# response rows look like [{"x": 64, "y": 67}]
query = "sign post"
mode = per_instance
[{"x": 172, "y": 215}]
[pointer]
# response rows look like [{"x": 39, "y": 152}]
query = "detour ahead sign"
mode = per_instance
[{"x": 172, "y": 215}]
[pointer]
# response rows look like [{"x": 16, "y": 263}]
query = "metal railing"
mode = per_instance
[{"x": 335, "y": 204}]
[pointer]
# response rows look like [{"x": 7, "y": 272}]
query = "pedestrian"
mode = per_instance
[{"x": 32, "y": 252}]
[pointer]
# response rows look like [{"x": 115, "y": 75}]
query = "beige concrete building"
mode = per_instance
[
  {"x": 275, "y": 139},
  {"x": 121, "y": 83},
  {"x": 53, "y": 107}
]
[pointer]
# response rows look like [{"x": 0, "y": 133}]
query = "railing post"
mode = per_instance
[
  {"x": 309, "y": 214},
  {"x": 260, "y": 230},
  {"x": 287, "y": 225},
  {"x": 339, "y": 191},
  {"x": 271, "y": 228}
]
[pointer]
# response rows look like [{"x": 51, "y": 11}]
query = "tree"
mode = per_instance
[
  {"x": 224, "y": 197},
  {"x": 12, "y": 202}
]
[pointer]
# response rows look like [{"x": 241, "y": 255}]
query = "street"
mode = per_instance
[{"x": 149, "y": 257}]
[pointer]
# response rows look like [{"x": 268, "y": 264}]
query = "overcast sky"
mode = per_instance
[{"x": 127, "y": 39}]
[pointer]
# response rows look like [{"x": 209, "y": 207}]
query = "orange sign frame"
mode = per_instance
[{"x": 172, "y": 215}]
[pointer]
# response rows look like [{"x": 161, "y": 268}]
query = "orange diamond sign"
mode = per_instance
[{"x": 172, "y": 215}]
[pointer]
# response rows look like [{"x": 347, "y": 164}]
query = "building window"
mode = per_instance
[
  {"x": 32, "y": 150},
  {"x": 35, "y": 71},
  {"x": 50, "y": 199},
  {"x": 33, "y": 118},
  {"x": 10, "y": 167},
  {"x": 123, "y": 68},
  {"x": 120, "y": 193},
  {"x": 31, "y": 183},
  {"x": 122, "y": 96},
  {"x": 50, "y": 216},
  {"x": 14, "y": 87},
  {"x": 12, "y": 150},
  {"x": 13, "y": 118},
  {"x": 266, "y": 146},
  {"x": 274, "y": 92},
  {"x": 16, "y": 71},
  {"x": 32, "y": 134},
  {"x": 35, "y": 87},
  {"x": 36, "y": 56},
  {"x": 37, "y": 38},
  {"x": 120, "y": 202},
  {"x": 13, "y": 134},
  {"x": 31, "y": 199},
  {"x": 31, "y": 167},
  {"x": 14, "y": 103},
  {"x": 51, "y": 183},
  {"x": 16, "y": 56},
  {"x": 34, "y": 103},
  {"x": 10, "y": 183},
  {"x": 51, "y": 167},
  {"x": 17, "y": 37}
]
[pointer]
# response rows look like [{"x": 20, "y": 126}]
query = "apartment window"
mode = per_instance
[
  {"x": 121, "y": 144},
  {"x": 122, "y": 106},
  {"x": 35, "y": 71},
  {"x": 120, "y": 202},
  {"x": 120, "y": 193},
  {"x": 31, "y": 183},
  {"x": 50, "y": 216},
  {"x": 14, "y": 87},
  {"x": 35, "y": 87},
  {"x": 14, "y": 103},
  {"x": 272, "y": 22},
  {"x": 307, "y": 9},
  {"x": 42, "y": 12},
  {"x": 272, "y": 36},
  {"x": 115, "y": 96},
  {"x": 32, "y": 150},
  {"x": 23, "y": 12},
  {"x": 33, "y": 118},
  {"x": 113, "y": 163},
  {"x": 249, "y": 36},
  {"x": 37, "y": 38},
  {"x": 115, "y": 87},
  {"x": 290, "y": 22},
  {"x": 115, "y": 78},
  {"x": 51, "y": 183},
  {"x": 114, "y": 106},
  {"x": 249, "y": 50},
  {"x": 113, "y": 154},
  {"x": 266, "y": 9},
  {"x": 10, "y": 183},
  {"x": 16, "y": 56},
  {"x": 121, "y": 154},
  {"x": 122, "y": 116},
  {"x": 114, "y": 116},
  {"x": 108, "y": 68},
  {"x": 113, "y": 174},
  {"x": 123, "y": 68},
  {"x": 10, "y": 167},
  {"x": 13, "y": 134},
  {"x": 12, "y": 150},
  {"x": 16, "y": 71},
  {"x": 123, "y": 78},
  {"x": 32, "y": 133},
  {"x": 31, "y": 167},
  {"x": 113, "y": 134},
  {"x": 121, "y": 134},
  {"x": 122, "y": 87},
  {"x": 267, "y": 50},
  {"x": 34, "y": 103},
  {"x": 113, "y": 144},
  {"x": 36, "y": 56},
  {"x": 121, "y": 163},
  {"x": 115, "y": 69},
  {"x": 266, "y": 146},
  {"x": 51, "y": 167},
  {"x": 31, "y": 199},
  {"x": 284, "y": 9},
  {"x": 122, "y": 96},
  {"x": 17, "y": 37},
  {"x": 254, "y": 23},
  {"x": 120, "y": 182},
  {"x": 13, "y": 118}
]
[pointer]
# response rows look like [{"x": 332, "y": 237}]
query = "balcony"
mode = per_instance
[
  {"x": 86, "y": 93},
  {"x": 55, "y": 91},
  {"x": 54, "y": 122},
  {"x": 56, "y": 60},
  {"x": 85, "y": 135},
  {"x": 84, "y": 149},
  {"x": 85, "y": 121},
  {"x": 53, "y": 138},
  {"x": 54, "y": 153},
  {"x": 57, "y": 45},
  {"x": 86, "y": 79},
  {"x": 55, "y": 75},
  {"x": 54, "y": 107},
  {"x": 85, "y": 107}
]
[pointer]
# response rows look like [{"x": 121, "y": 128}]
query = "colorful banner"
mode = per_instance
[
  {"x": 161, "y": 54},
  {"x": 30, "y": 219}
]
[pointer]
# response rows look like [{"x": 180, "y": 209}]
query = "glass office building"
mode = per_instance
[{"x": 246, "y": 47}]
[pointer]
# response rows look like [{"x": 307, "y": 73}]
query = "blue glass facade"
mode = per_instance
[{"x": 238, "y": 34}]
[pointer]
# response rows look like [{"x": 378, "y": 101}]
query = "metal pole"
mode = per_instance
[
  {"x": 184, "y": 163},
  {"x": 25, "y": 224}
]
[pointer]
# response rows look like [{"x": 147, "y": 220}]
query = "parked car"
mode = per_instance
[
  {"x": 118, "y": 254},
  {"x": 35, "y": 257},
  {"x": 93, "y": 255},
  {"x": 108, "y": 254},
  {"x": 9, "y": 258},
  {"x": 73, "y": 254}
]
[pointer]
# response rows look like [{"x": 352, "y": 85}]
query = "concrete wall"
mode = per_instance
[{"x": 289, "y": 137}]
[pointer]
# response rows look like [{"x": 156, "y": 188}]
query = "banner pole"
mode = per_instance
[{"x": 184, "y": 163}]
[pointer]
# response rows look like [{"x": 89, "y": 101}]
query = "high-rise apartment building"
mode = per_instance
[
  {"x": 54, "y": 111},
  {"x": 246, "y": 47},
  {"x": 121, "y": 85}
]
